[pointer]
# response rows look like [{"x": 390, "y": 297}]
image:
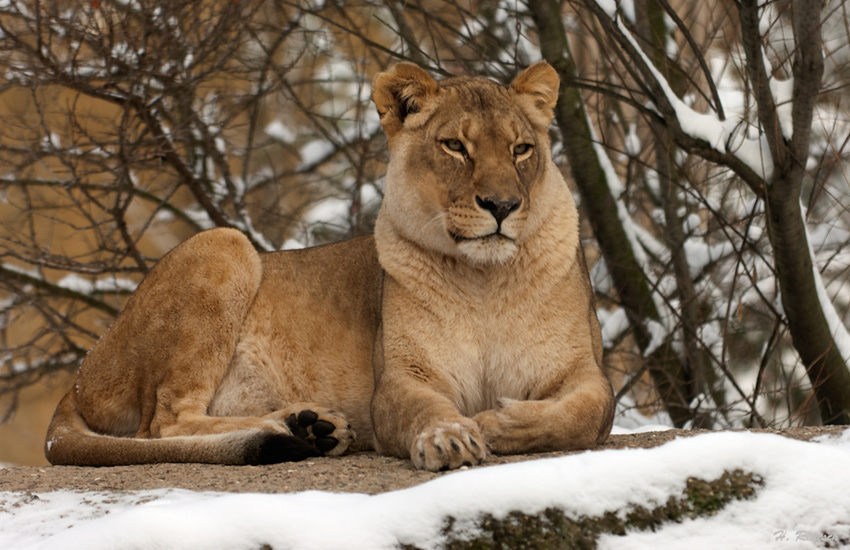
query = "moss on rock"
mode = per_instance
[{"x": 553, "y": 529}]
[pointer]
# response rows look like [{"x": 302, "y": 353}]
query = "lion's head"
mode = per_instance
[{"x": 470, "y": 159}]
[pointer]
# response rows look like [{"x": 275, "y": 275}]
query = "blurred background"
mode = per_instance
[{"x": 705, "y": 142}]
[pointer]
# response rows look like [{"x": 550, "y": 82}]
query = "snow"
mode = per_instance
[
  {"x": 84, "y": 285},
  {"x": 783, "y": 94},
  {"x": 805, "y": 498},
  {"x": 314, "y": 152},
  {"x": 331, "y": 210},
  {"x": 632, "y": 141},
  {"x": 631, "y": 420},
  {"x": 613, "y": 324},
  {"x": 610, "y": 7},
  {"x": 280, "y": 131}
]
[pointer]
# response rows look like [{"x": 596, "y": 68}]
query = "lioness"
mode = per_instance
[{"x": 465, "y": 326}]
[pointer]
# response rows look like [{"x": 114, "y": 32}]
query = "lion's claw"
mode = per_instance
[{"x": 448, "y": 445}]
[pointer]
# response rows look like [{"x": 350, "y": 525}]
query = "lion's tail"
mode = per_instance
[{"x": 71, "y": 442}]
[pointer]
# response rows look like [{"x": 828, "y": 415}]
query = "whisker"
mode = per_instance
[{"x": 439, "y": 217}]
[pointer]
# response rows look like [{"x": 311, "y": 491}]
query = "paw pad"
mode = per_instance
[{"x": 306, "y": 425}]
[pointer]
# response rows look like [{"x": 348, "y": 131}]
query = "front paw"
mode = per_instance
[
  {"x": 448, "y": 445},
  {"x": 503, "y": 431},
  {"x": 490, "y": 424}
]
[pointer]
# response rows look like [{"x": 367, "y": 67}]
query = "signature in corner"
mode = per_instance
[{"x": 803, "y": 536}]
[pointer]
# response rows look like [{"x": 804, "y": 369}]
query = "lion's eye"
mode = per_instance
[
  {"x": 522, "y": 149},
  {"x": 455, "y": 146}
]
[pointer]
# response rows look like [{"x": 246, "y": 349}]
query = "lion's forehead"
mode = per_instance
[
  {"x": 476, "y": 110},
  {"x": 476, "y": 91}
]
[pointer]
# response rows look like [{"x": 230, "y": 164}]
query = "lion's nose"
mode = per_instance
[{"x": 500, "y": 208}]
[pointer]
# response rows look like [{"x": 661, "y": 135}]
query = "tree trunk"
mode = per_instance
[
  {"x": 651, "y": 25},
  {"x": 810, "y": 331},
  {"x": 667, "y": 371}
]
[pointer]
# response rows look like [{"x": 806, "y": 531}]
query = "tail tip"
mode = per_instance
[{"x": 272, "y": 448}]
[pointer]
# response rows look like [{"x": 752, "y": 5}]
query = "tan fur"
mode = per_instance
[{"x": 466, "y": 325}]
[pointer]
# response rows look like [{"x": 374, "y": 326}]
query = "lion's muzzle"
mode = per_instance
[{"x": 500, "y": 208}]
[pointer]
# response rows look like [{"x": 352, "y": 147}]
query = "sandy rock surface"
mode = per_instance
[{"x": 361, "y": 472}]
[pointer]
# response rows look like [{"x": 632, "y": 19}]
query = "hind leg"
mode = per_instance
[
  {"x": 208, "y": 357},
  {"x": 155, "y": 371},
  {"x": 213, "y": 283}
]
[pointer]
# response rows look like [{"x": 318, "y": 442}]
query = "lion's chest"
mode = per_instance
[{"x": 489, "y": 356}]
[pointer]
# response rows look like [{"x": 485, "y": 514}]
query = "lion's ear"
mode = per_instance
[
  {"x": 400, "y": 92},
  {"x": 540, "y": 82}
]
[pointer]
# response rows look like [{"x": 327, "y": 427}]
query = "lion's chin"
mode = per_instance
[{"x": 489, "y": 250}]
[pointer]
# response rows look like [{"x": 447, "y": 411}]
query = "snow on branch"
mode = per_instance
[
  {"x": 729, "y": 138},
  {"x": 70, "y": 288}
]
